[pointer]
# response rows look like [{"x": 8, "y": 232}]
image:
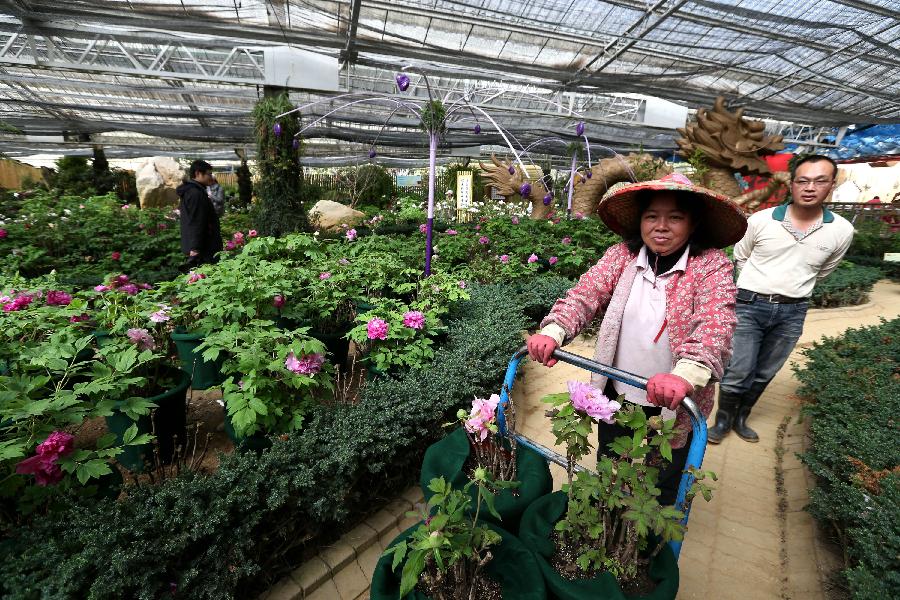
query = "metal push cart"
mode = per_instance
[{"x": 698, "y": 423}]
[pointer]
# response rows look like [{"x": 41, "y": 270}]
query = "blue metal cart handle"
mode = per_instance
[{"x": 698, "y": 422}]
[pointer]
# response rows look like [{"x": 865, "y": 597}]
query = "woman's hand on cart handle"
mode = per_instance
[
  {"x": 541, "y": 348},
  {"x": 668, "y": 390}
]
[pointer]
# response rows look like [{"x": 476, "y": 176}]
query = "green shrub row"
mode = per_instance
[
  {"x": 232, "y": 533},
  {"x": 851, "y": 386},
  {"x": 848, "y": 285}
]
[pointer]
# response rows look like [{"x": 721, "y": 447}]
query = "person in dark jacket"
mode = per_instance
[{"x": 201, "y": 236}]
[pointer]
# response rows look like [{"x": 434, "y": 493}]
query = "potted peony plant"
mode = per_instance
[
  {"x": 477, "y": 443},
  {"x": 605, "y": 535}
]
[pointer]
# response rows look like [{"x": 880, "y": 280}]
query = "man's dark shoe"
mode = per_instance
[
  {"x": 740, "y": 425},
  {"x": 728, "y": 406}
]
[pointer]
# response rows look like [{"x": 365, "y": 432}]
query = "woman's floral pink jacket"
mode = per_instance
[{"x": 699, "y": 312}]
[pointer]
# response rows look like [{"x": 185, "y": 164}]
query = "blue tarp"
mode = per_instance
[{"x": 877, "y": 140}]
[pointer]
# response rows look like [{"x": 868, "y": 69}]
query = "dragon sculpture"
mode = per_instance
[{"x": 723, "y": 142}]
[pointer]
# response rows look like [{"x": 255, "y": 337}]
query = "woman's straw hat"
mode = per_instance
[{"x": 724, "y": 222}]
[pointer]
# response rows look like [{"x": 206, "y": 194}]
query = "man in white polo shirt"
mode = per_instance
[{"x": 785, "y": 251}]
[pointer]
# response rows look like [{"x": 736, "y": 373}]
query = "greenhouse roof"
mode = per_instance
[{"x": 181, "y": 77}]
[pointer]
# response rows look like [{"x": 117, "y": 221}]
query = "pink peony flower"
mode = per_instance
[
  {"x": 451, "y": 232},
  {"x": 120, "y": 280},
  {"x": 3, "y": 233},
  {"x": 141, "y": 338},
  {"x": 161, "y": 226},
  {"x": 194, "y": 277},
  {"x": 58, "y": 443},
  {"x": 552, "y": 260},
  {"x": 229, "y": 245},
  {"x": 484, "y": 240},
  {"x": 252, "y": 233},
  {"x": 567, "y": 240},
  {"x": 145, "y": 286},
  {"x": 57, "y": 298},
  {"x": 21, "y": 301},
  {"x": 579, "y": 215},
  {"x": 588, "y": 400},
  {"x": 344, "y": 261},
  {"x": 116, "y": 255},
  {"x": 376, "y": 329},
  {"x": 462, "y": 284},
  {"x": 126, "y": 206},
  {"x": 504, "y": 258},
  {"x": 238, "y": 237},
  {"x": 478, "y": 228},
  {"x": 351, "y": 235},
  {"x": 533, "y": 258},
  {"x": 278, "y": 301},
  {"x": 100, "y": 288},
  {"x": 130, "y": 289},
  {"x": 414, "y": 319},
  {"x": 45, "y": 470},
  {"x": 325, "y": 275},
  {"x": 515, "y": 220},
  {"x": 423, "y": 228},
  {"x": 79, "y": 318},
  {"x": 482, "y": 415},
  {"x": 162, "y": 315},
  {"x": 308, "y": 364}
]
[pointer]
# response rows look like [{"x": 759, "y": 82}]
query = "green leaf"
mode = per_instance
[
  {"x": 413, "y": 568},
  {"x": 130, "y": 434},
  {"x": 91, "y": 469}
]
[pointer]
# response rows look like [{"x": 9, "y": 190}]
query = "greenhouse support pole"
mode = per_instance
[{"x": 432, "y": 159}]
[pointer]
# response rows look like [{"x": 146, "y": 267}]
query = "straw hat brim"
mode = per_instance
[{"x": 724, "y": 222}]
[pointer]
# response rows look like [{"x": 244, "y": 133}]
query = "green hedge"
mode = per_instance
[
  {"x": 233, "y": 533},
  {"x": 851, "y": 386},
  {"x": 848, "y": 285}
]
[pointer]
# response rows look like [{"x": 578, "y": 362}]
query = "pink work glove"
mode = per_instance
[
  {"x": 665, "y": 389},
  {"x": 541, "y": 347}
]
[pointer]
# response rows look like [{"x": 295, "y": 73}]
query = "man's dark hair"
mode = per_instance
[
  {"x": 813, "y": 158},
  {"x": 200, "y": 166},
  {"x": 686, "y": 203}
]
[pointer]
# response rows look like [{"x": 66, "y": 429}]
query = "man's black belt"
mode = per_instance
[{"x": 750, "y": 296}]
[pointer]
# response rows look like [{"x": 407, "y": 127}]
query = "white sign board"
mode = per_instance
[{"x": 463, "y": 190}]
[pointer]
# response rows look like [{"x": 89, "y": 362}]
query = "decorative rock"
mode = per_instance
[
  {"x": 156, "y": 181},
  {"x": 328, "y": 216}
]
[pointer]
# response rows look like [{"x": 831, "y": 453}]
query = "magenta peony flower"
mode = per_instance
[
  {"x": 451, "y": 232},
  {"x": 351, "y": 234},
  {"x": 552, "y": 260},
  {"x": 376, "y": 329},
  {"x": 414, "y": 319},
  {"x": 141, "y": 338},
  {"x": 119, "y": 280},
  {"x": 194, "y": 277},
  {"x": 3, "y": 233},
  {"x": 588, "y": 400},
  {"x": 20, "y": 302},
  {"x": 308, "y": 364},
  {"x": 230, "y": 245},
  {"x": 79, "y": 318},
  {"x": 278, "y": 301},
  {"x": 130, "y": 289},
  {"x": 252, "y": 233},
  {"x": 567, "y": 240},
  {"x": 58, "y": 443},
  {"x": 100, "y": 288},
  {"x": 161, "y": 226},
  {"x": 45, "y": 470},
  {"x": 325, "y": 275},
  {"x": 478, "y": 228},
  {"x": 116, "y": 255},
  {"x": 533, "y": 258},
  {"x": 504, "y": 258},
  {"x": 423, "y": 228},
  {"x": 515, "y": 220},
  {"x": 484, "y": 240},
  {"x": 57, "y": 298}
]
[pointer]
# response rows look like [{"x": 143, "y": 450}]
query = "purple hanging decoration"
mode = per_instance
[
  {"x": 277, "y": 129},
  {"x": 295, "y": 144},
  {"x": 372, "y": 153},
  {"x": 589, "y": 173},
  {"x": 402, "y": 82},
  {"x": 477, "y": 128},
  {"x": 512, "y": 170},
  {"x": 579, "y": 129},
  {"x": 548, "y": 199},
  {"x": 525, "y": 189}
]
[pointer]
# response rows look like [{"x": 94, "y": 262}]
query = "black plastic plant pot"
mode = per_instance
[
  {"x": 512, "y": 566},
  {"x": 204, "y": 374},
  {"x": 535, "y": 531},
  {"x": 446, "y": 458},
  {"x": 168, "y": 421}
]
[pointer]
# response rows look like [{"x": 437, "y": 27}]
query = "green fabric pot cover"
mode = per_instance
[
  {"x": 168, "y": 420},
  {"x": 446, "y": 457},
  {"x": 513, "y": 566},
  {"x": 257, "y": 442},
  {"x": 534, "y": 532},
  {"x": 205, "y": 374}
]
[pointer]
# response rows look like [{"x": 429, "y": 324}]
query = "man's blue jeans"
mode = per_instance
[{"x": 765, "y": 335}]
